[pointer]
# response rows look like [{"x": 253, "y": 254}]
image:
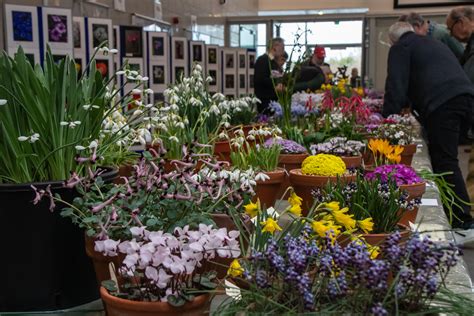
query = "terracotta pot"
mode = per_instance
[
  {"x": 414, "y": 190},
  {"x": 352, "y": 161},
  {"x": 368, "y": 157},
  {"x": 289, "y": 162},
  {"x": 369, "y": 168},
  {"x": 119, "y": 307},
  {"x": 222, "y": 150},
  {"x": 101, "y": 262},
  {"x": 303, "y": 184},
  {"x": 267, "y": 191},
  {"x": 408, "y": 216},
  {"x": 407, "y": 154},
  {"x": 124, "y": 171},
  {"x": 378, "y": 239}
]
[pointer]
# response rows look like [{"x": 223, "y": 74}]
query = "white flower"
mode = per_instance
[
  {"x": 148, "y": 91},
  {"x": 173, "y": 139},
  {"x": 23, "y": 138},
  {"x": 120, "y": 72},
  {"x": 79, "y": 147},
  {"x": 136, "y": 91},
  {"x": 71, "y": 124},
  {"x": 3, "y": 102},
  {"x": 262, "y": 177},
  {"x": 93, "y": 144}
]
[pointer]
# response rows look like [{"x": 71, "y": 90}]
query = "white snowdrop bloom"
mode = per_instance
[
  {"x": 174, "y": 99},
  {"x": 251, "y": 137},
  {"x": 63, "y": 123},
  {"x": 120, "y": 73},
  {"x": 149, "y": 91},
  {"x": 113, "y": 51},
  {"x": 136, "y": 91},
  {"x": 23, "y": 138},
  {"x": 226, "y": 124},
  {"x": 198, "y": 67},
  {"x": 214, "y": 109},
  {"x": 174, "y": 107},
  {"x": 145, "y": 78},
  {"x": 222, "y": 135},
  {"x": 165, "y": 109},
  {"x": 3, "y": 102},
  {"x": 180, "y": 125},
  {"x": 93, "y": 144},
  {"x": 134, "y": 73},
  {"x": 149, "y": 105},
  {"x": 262, "y": 177},
  {"x": 173, "y": 139},
  {"x": 209, "y": 79},
  {"x": 186, "y": 121},
  {"x": 137, "y": 112},
  {"x": 79, "y": 147},
  {"x": 35, "y": 137}
]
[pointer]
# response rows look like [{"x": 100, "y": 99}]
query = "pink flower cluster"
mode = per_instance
[{"x": 401, "y": 174}]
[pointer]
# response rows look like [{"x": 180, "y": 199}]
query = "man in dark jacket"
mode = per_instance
[
  {"x": 263, "y": 83},
  {"x": 310, "y": 76},
  {"x": 426, "y": 74}
]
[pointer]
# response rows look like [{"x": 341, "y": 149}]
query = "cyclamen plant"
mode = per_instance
[
  {"x": 153, "y": 197},
  {"x": 160, "y": 266},
  {"x": 339, "y": 146}
]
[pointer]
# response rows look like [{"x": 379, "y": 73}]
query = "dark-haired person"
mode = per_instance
[{"x": 263, "y": 82}]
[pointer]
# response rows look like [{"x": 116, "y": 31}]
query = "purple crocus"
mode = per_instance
[{"x": 402, "y": 174}]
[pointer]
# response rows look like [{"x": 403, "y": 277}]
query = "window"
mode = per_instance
[
  {"x": 210, "y": 34},
  {"x": 251, "y": 36},
  {"x": 342, "y": 40}
]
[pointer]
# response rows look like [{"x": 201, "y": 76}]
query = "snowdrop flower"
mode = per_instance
[
  {"x": 136, "y": 91},
  {"x": 262, "y": 177},
  {"x": 23, "y": 138},
  {"x": 87, "y": 107},
  {"x": 32, "y": 139},
  {"x": 214, "y": 109},
  {"x": 149, "y": 91},
  {"x": 3, "y": 102},
  {"x": 173, "y": 139},
  {"x": 93, "y": 144},
  {"x": 120, "y": 73},
  {"x": 79, "y": 148},
  {"x": 137, "y": 112},
  {"x": 71, "y": 124}
]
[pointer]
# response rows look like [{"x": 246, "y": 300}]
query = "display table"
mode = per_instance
[{"x": 431, "y": 220}]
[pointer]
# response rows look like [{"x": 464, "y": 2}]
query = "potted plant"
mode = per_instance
[
  {"x": 50, "y": 115},
  {"x": 407, "y": 181},
  {"x": 399, "y": 134},
  {"x": 382, "y": 201},
  {"x": 159, "y": 275},
  {"x": 316, "y": 171},
  {"x": 382, "y": 153},
  {"x": 350, "y": 151},
  {"x": 247, "y": 154}
]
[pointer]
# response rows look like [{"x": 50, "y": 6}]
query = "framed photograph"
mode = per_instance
[
  {"x": 158, "y": 74},
  {"x": 213, "y": 75},
  {"x": 197, "y": 51},
  {"x": 400, "y": 4},
  {"x": 229, "y": 60},
  {"x": 77, "y": 33},
  {"x": 242, "y": 64},
  {"x": 179, "y": 50},
  {"x": 252, "y": 60},
  {"x": 158, "y": 97},
  {"x": 21, "y": 26},
  {"x": 100, "y": 31},
  {"x": 58, "y": 58},
  {"x": 100, "y": 34},
  {"x": 178, "y": 73},
  {"x": 229, "y": 81},
  {"x": 157, "y": 45},
  {"x": 242, "y": 81},
  {"x": 57, "y": 29},
  {"x": 131, "y": 39},
  {"x": 212, "y": 55}
]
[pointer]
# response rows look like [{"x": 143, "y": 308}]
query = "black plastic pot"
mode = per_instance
[{"x": 43, "y": 262}]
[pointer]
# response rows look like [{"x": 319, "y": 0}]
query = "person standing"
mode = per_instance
[
  {"x": 434, "y": 30},
  {"x": 440, "y": 93},
  {"x": 310, "y": 75},
  {"x": 263, "y": 83},
  {"x": 460, "y": 22},
  {"x": 320, "y": 57}
]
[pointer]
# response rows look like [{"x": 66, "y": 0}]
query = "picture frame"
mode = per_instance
[
  {"x": 404, "y": 4},
  {"x": 131, "y": 40},
  {"x": 212, "y": 52},
  {"x": 179, "y": 57},
  {"x": 99, "y": 30},
  {"x": 57, "y": 30},
  {"x": 22, "y": 28},
  {"x": 78, "y": 34},
  {"x": 197, "y": 52},
  {"x": 158, "y": 74}
]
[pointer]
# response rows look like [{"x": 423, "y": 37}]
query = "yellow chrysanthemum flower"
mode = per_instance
[
  {"x": 367, "y": 225},
  {"x": 296, "y": 209},
  {"x": 295, "y": 199},
  {"x": 251, "y": 209},
  {"x": 270, "y": 225},
  {"x": 235, "y": 269}
]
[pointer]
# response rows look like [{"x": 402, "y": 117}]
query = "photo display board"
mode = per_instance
[
  {"x": 197, "y": 54},
  {"x": 213, "y": 67},
  {"x": 242, "y": 80},
  {"x": 57, "y": 31},
  {"x": 229, "y": 72},
  {"x": 158, "y": 47},
  {"x": 179, "y": 58},
  {"x": 251, "y": 56},
  {"x": 99, "y": 31}
]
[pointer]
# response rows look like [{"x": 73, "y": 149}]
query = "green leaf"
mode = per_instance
[
  {"x": 110, "y": 285},
  {"x": 90, "y": 219},
  {"x": 67, "y": 212},
  {"x": 171, "y": 214},
  {"x": 187, "y": 297},
  {"x": 147, "y": 155},
  {"x": 176, "y": 301},
  {"x": 151, "y": 222}
]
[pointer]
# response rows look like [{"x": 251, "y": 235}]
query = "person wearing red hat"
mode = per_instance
[
  {"x": 313, "y": 72},
  {"x": 319, "y": 56}
]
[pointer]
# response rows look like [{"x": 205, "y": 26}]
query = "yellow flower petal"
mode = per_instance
[
  {"x": 295, "y": 199},
  {"x": 235, "y": 269},
  {"x": 296, "y": 209},
  {"x": 251, "y": 209},
  {"x": 270, "y": 225},
  {"x": 366, "y": 225}
]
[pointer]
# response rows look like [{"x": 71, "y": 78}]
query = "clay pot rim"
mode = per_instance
[
  {"x": 297, "y": 172},
  {"x": 112, "y": 300},
  {"x": 405, "y": 230},
  {"x": 423, "y": 183}
]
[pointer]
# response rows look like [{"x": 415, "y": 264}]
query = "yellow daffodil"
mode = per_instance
[
  {"x": 374, "y": 251},
  {"x": 270, "y": 225},
  {"x": 235, "y": 269},
  {"x": 335, "y": 229},
  {"x": 333, "y": 206},
  {"x": 295, "y": 199},
  {"x": 251, "y": 209},
  {"x": 367, "y": 225},
  {"x": 319, "y": 228},
  {"x": 296, "y": 209},
  {"x": 345, "y": 220}
]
